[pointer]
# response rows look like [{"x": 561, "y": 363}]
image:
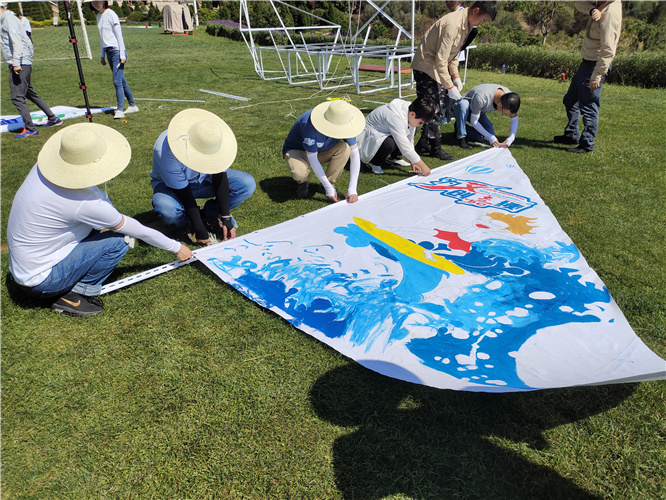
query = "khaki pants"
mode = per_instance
[{"x": 336, "y": 157}]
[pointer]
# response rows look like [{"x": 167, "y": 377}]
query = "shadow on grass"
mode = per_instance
[
  {"x": 427, "y": 443},
  {"x": 283, "y": 189}
]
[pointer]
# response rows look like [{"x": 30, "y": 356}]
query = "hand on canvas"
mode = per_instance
[
  {"x": 352, "y": 198},
  {"x": 333, "y": 198},
  {"x": 504, "y": 145},
  {"x": 421, "y": 168},
  {"x": 496, "y": 144}
]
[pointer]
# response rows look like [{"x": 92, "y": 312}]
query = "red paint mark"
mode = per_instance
[
  {"x": 482, "y": 226},
  {"x": 455, "y": 242}
]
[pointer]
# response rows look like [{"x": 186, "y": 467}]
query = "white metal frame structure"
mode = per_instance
[{"x": 301, "y": 63}]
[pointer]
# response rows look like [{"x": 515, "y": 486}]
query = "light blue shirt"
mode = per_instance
[{"x": 169, "y": 170}]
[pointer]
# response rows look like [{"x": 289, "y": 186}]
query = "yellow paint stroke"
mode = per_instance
[
  {"x": 406, "y": 247},
  {"x": 517, "y": 223}
]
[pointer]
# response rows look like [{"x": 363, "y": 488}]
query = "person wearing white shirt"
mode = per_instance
[
  {"x": 113, "y": 46},
  {"x": 64, "y": 235},
  {"x": 389, "y": 132}
]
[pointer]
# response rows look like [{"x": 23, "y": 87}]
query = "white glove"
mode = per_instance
[
  {"x": 458, "y": 83},
  {"x": 454, "y": 93}
]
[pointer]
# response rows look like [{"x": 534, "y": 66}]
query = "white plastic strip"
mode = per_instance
[
  {"x": 166, "y": 100},
  {"x": 225, "y": 95},
  {"x": 116, "y": 285}
]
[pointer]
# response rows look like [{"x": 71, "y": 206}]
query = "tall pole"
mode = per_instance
[{"x": 74, "y": 42}]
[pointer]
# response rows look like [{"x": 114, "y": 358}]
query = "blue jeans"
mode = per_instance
[
  {"x": 171, "y": 211},
  {"x": 118, "y": 69},
  {"x": 84, "y": 270},
  {"x": 462, "y": 113},
  {"x": 581, "y": 100}
]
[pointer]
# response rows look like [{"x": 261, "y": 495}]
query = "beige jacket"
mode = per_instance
[
  {"x": 602, "y": 36},
  {"x": 437, "y": 54}
]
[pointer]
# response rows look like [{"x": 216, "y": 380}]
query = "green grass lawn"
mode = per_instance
[{"x": 183, "y": 388}]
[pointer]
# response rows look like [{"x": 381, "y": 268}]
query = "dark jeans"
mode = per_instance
[
  {"x": 85, "y": 268},
  {"x": 21, "y": 89},
  {"x": 579, "y": 101}
]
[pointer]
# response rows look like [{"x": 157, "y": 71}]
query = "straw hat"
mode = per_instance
[
  {"x": 202, "y": 141},
  {"x": 84, "y": 155},
  {"x": 338, "y": 119}
]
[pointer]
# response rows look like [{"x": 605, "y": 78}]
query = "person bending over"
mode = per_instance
[
  {"x": 389, "y": 133},
  {"x": 473, "y": 108},
  {"x": 325, "y": 135},
  {"x": 191, "y": 161}
]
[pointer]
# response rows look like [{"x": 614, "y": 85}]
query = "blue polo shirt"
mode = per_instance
[
  {"x": 170, "y": 171},
  {"x": 304, "y": 137}
]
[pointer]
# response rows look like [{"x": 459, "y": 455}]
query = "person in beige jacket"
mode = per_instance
[
  {"x": 602, "y": 35},
  {"x": 435, "y": 67}
]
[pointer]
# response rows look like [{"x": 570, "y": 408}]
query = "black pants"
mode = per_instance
[{"x": 388, "y": 148}]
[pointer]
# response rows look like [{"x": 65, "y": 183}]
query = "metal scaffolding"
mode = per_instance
[{"x": 300, "y": 63}]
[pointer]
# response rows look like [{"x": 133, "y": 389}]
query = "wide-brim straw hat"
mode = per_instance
[
  {"x": 338, "y": 119},
  {"x": 84, "y": 155},
  {"x": 202, "y": 141}
]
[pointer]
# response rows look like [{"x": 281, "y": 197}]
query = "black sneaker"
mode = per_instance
[
  {"x": 303, "y": 190},
  {"x": 462, "y": 142},
  {"x": 440, "y": 154},
  {"x": 76, "y": 304},
  {"x": 579, "y": 150},
  {"x": 564, "y": 139}
]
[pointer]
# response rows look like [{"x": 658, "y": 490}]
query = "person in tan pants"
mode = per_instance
[{"x": 325, "y": 135}]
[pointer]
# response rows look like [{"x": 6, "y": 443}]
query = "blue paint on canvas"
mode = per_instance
[{"x": 476, "y": 334}]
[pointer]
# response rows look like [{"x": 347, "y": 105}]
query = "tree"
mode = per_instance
[{"x": 542, "y": 14}]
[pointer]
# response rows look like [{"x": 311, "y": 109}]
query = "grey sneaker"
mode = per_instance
[
  {"x": 118, "y": 114},
  {"x": 376, "y": 169},
  {"x": 398, "y": 162},
  {"x": 75, "y": 304},
  {"x": 132, "y": 109}
]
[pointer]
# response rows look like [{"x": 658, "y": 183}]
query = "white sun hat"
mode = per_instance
[
  {"x": 338, "y": 119},
  {"x": 202, "y": 141},
  {"x": 84, "y": 155}
]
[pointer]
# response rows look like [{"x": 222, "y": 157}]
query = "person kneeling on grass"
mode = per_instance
[
  {"x": 325, "y": 134},
  {"x": 389, "y": 134},
  {"x": 191, "y": 161},
  {"x": 64, "y": 235},
  {"x": 474, "y": 106}
]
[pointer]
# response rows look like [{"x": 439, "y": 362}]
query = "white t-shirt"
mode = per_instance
[
  {"x": 46, "y": 223},
  {"x": 110, "y": 34}
]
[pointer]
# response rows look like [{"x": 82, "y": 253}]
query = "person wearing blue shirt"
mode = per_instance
[
  {"x": 191, "y": 161},
  {"x": 325, "y": 135}
]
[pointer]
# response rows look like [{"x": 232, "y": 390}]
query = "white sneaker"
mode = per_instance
[
  {"x": 400, "y": 162},
  {"x": 376, "y": 169},
  {"x": 132, "y": 109},
  {"x": 118, "y": 114}
]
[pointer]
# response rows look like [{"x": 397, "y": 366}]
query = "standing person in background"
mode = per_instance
[
  {"x": 584, "y": 95},
  {"x": 435, "y": 67},
  {"x": 112, "y": 44},
  {"x": 17, "y": 52},
  {"x": 26, "y": 24}
]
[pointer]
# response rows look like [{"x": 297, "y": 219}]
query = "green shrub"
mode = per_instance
[{"x": 643, "y": 69}]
